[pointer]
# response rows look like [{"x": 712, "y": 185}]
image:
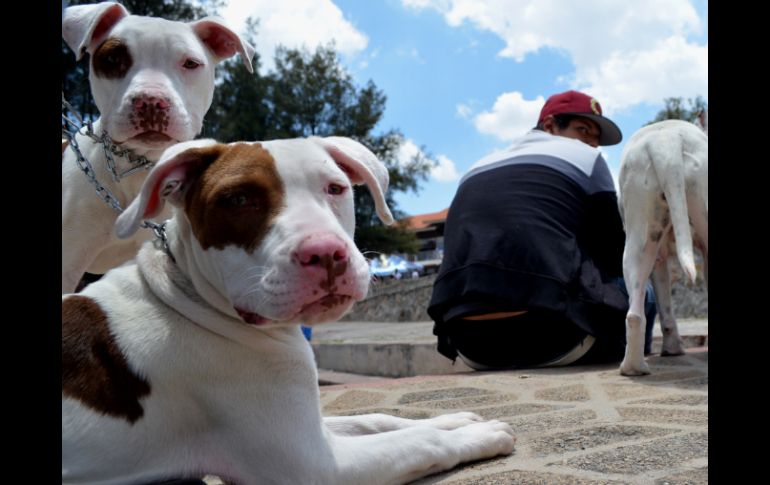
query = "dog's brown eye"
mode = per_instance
[
  {"x": 335, "y": 189},
  {"x": 191, "y": 64},
  {"x": 237, "y": 200},
  {"x": 112, "y": 59}
]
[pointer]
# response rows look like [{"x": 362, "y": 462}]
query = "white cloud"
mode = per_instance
[
  {"x": 510, "y": 117},
  {"x": 295, "y": 24},
  {"x": 463, "y": 110},
  {"x": 616, "y": 46},
  {"x": 412, "y": 53},
  {"x": 363, "y": 62},
  {"x": 445, "y": 171},
  {"x": 672, "y": 67},
  {"x": 407, "y": 151}
]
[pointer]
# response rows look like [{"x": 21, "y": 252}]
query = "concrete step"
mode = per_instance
[
  {"x": 332, "y": 378},
  {"x": 406, "y": 349}
]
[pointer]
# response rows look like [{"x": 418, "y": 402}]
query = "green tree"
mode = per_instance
[{"x": 675, "y": 109}]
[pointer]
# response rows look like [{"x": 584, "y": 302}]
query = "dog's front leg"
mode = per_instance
[
  {"x": 380, "y": 423},
  {"x": 404, "y": 455}
]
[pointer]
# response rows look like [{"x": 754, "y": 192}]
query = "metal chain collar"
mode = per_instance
[
  {"x": 161, "y": 241},
  {"x": 110, "y": 149}
]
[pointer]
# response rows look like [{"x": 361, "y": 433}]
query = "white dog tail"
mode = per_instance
[{"x": 669, "y": 166}]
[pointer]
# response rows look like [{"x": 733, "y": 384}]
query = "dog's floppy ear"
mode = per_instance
[
  {"x": 168, "y": 180},
  {"x": 225, "y": 43},
  {"x": 362, "y": 167},
  {"x": 86, "y": 25}
]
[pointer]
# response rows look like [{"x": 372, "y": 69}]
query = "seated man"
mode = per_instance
[{"x": 533, "y": 249}]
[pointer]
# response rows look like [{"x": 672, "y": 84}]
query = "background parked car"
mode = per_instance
[
  {"x": 405, "y": 268},
  {"x": 381, "y": 267}
]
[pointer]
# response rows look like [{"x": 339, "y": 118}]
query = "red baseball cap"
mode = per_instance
[{"x": 579, "y": 104}]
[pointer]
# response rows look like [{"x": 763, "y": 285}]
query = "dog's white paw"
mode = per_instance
[
  {"x": 672, "y": 346},
  {"x": 628, "y": 368},
  {"x": 454, "y": 420},
  {"x": 484, "y": 440}
]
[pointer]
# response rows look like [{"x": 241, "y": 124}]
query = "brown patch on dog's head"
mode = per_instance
[
  {"x": 112, "y": 60},
  {"x": 94, "y": 370},
  {"x": 234, "y": 201}
]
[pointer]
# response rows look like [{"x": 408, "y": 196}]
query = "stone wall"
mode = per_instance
[
  {"x": 395, "y": 301},
  {"x": 688, "y": 300},
  {"x": 407, "y": 300}
]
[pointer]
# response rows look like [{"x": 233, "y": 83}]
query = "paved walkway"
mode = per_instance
[
  {"x": 574, "y": 425},
  {"x": 584, "y": 425}
]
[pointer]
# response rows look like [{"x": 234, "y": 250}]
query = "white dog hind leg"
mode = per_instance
[
  {"x": 705, "y": 252},
  {"x": 640, "y": 205},
  {"x": 698, "y": 212},
  {"x": 637, "y": 266},
  {"x": 379, "y": 423},
  {"x": 661, "y": 283},
  {"x": 404, "y": 455}
]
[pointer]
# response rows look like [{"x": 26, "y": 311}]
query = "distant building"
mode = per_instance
[{"x": 429, "y": 229}]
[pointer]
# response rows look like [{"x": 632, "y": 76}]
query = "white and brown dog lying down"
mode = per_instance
[
  {"x": 664, "y": 203},
  {"x": 177, "y": 368}
]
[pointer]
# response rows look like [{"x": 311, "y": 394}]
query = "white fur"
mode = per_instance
[
  {"x": 664, "y": 202},
  {"x": 158, "y": 49},
  {"x": 242, "y": 401}
]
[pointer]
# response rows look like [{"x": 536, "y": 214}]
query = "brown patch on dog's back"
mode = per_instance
[
  {"x": 94, "y": 370},
  {"x": 235, "y": 199},
  {"x": 111, "y": 59}
]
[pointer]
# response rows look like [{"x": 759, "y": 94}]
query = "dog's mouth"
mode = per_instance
[
  {"x": 251, "y": 318},
  {"x": 325, "y": 304},
  {"x": 152, "y": 138},
  {"x": 308, "y": 311}
]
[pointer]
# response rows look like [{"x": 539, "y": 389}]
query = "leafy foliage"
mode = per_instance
[{"x": 675, "y": 109}]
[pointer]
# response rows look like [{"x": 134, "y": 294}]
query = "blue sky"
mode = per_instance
[{"x": 465, "y": 77}]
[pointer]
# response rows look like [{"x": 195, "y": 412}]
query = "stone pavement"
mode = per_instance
[
  {"x": 574, "y": 425},
  {"x": 581, "y": 425}
]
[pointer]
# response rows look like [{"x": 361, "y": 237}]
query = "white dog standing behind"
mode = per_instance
[
  {"x": 152, "y": 81},
  {"x": 192, "y": 362},
  {"x": 664, "y": 203}
]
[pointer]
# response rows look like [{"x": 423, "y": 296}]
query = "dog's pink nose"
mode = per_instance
[
  {"x": 143, "y": 103},
  {"x": 151, "y": 113},
  {"x": 324, "y": 260},
  {"x": 321, "y": 252}
]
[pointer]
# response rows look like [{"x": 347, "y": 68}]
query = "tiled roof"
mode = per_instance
[{"x": 422, "y": 221}]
